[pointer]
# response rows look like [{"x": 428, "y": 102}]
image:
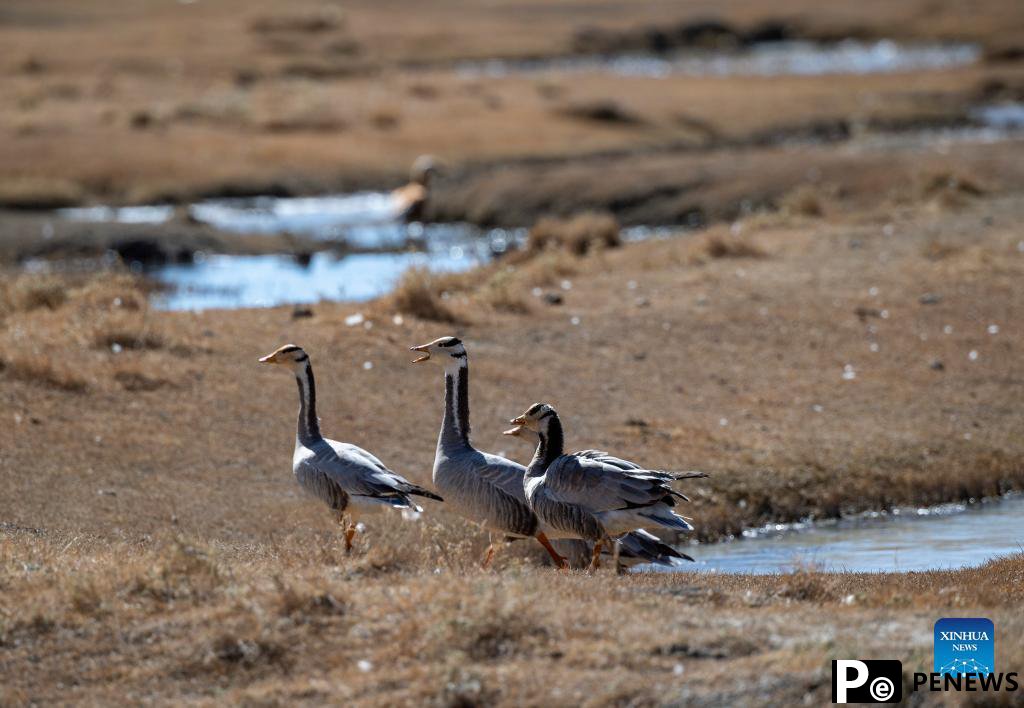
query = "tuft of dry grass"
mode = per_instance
[
  {"x": 605, "y": 111},
  {"x": 39, "y": 193},
  {"x": 324, "y": 19},
  {"x": 41, "y": 369},
  {"x": 420, "y": 293},
  {"x": 719, "y": 245},
  {"x": 25, "y": 292},
  {"x": 579, "y": 234},
  {"x": 805, "y": 200}
]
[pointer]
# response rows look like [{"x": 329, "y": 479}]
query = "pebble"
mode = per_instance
[
  {"x": 930, "y": 299},
  {"x": 937, "y": 365},
  {"x": 553, "y": 298}
]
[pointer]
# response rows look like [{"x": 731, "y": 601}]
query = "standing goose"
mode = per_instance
[
  {"x": 591, "y": 494},
  {"x": 635, "y": 547},
  {"x": 485, "y": 488},
  {"x": 410, "y": 199},
  {"x": 347, "y": 478},
  {"x": 488, "y": 489}
]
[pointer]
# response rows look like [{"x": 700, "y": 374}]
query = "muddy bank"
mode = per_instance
[
  {"x": 46, "y": 236},
  {"x": 693, "y": 188}
]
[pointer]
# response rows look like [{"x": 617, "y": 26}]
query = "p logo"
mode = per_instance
[{"x": 867, "y": 681}]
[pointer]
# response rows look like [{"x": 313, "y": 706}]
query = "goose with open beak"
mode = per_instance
[
  {"x": 592, "y": 495},
  {"x": 485, "y": 488}
]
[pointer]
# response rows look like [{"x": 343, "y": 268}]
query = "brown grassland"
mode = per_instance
[
  {"x": 155, "y": 546},
  {"x": 841, "y": 334}
]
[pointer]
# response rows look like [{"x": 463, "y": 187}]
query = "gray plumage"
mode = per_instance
[
  {"x": 343, "y": 476},
  {"x": 593, "y": 495},
  {"x": 485, "y": 488},
  {"x": 488, "y": 489}
]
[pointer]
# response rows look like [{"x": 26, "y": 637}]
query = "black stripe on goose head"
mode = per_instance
[{"x": 450, "y": 342}]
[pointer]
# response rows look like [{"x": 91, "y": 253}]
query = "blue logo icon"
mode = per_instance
[{"x": 965, "y": 645}]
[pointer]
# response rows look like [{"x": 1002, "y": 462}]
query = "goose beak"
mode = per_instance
[
  {"x": 269, "y": 359},
  {"x": 518, "y": 420},
  {"x": 425, "y": 348},
  {"x": 514, "y": 431}
]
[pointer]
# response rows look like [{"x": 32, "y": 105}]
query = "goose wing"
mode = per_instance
[
  {"x": 601, "y": 484},
  {"x": 503, "y": 474},
  {"x": 361, "y": 474}
]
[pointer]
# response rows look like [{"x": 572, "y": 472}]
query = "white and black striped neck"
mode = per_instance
[
  {"x": 455, "y": 424},
  {"x": 309, "y": 425},
  {"x": 551, "y": 445}
]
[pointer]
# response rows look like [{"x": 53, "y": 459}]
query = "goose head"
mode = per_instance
[
  {"x": 535, "y": 419},
  {"x": 423, "y": 170},
  {"x": 445, "y": 350},
  {"x": 290, "y": 355}
]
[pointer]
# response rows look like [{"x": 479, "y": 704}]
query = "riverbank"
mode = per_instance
[
  {"x": 779, "y": 354},
  {"x": 405, "y": 622},
  {"x": 249, "y": 98},
  {"x": 814, "y": 366}
]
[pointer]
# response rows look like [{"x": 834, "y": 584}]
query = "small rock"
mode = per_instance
[
  {"x": 301, "y": 312},
  {"x": 553, "y": 299},
  {"x": 864, "y": 312},
  {"x": 930, "y": 299},
  {"x": 937, "y": 365},
  {"x": 643, "y": 302}
]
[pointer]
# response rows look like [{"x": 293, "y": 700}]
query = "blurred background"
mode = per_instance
[{"x": 243, "y": 153}]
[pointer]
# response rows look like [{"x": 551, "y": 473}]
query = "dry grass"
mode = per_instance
[
  {"x": 39, "y": 369},
  {"x": 168, "y": 619},
  {"x": 420, "y": 293},
  {"x": 805, "y": 200},
  {"x": 151, "y": 569},
  {"x": 729, "y": 245},
  {"x": 579, "y": 234},
  {"x": 22, "y": 292},
  {"x": 39, "y": 192}
]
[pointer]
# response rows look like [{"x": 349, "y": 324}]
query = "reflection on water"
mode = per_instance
[
  {"x": 263, "y": 281},
  {"x": 951, "y": 536},
  {"x": 798, "y": 58}
]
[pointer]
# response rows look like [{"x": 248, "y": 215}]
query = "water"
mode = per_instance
[
  {"x": 797, "y": 58},
  {"x": 949, "y": 536},
  {"x": 219, "y": 281},
  {"x": 367, "y": 221}
]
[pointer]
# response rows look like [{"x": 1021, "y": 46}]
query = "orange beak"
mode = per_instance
[{"x": 425, "y": 348}]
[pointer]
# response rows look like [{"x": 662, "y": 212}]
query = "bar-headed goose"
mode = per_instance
[
  {"x": 636, "y": 547},
  {"x": 410, "y": 199},
  {"x": 485, "y": 488},
  {"x": 347, "y": 478},
  {"x": 593, "y": 495}
]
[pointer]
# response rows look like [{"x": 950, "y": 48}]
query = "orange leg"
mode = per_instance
[
  {"x": 488, "y": 557},
  {"x": 595, "y": 562},
  {"x": 560, "y": 562},
  {"x": 350, "y": 533}
]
